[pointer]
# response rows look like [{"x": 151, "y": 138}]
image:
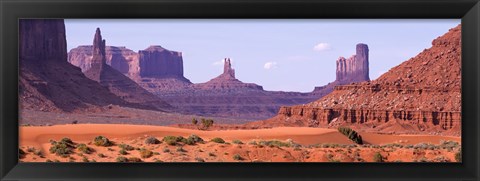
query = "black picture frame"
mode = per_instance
[{"x": 467, "y": 10}]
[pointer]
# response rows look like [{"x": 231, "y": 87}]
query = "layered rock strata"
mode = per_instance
[{"x": 420, "y": 95}]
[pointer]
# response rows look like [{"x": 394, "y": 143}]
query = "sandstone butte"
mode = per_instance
[
  {"x": 421, "y": 95},
  {"x": 47, "y": 82},
  {"x": 116, "y": 82},
  {"x": 160, "y": 71}
]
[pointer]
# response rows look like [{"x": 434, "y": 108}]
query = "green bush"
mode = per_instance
[
  {"x": 218, "y": 140},
  {"x": 122, "y": 159},
  {"x": 152, "y": 140},
  {"x": 351, "y": 134},
  {"x": 377, "y": 157},
  {"x": 192, "y": 139},
  {"x": 62, "y": 148},
  {"x": 126, "y": 147},
  {"x": 145, "y": 153},
  {"x": 102, "y": 141},
  {"x": 170, "y": 140},
  {"x": 84, "y": 148},
  {"x": 123, "y": 152},
  {"x": 274, "y": 143},
  {"x": 237, "y": 157},
  {"x": 238, "y": 142}
]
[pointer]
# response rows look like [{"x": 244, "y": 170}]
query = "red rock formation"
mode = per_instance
[
  {"x": 351, "y": 70},
  {"x": 419, "y": 95},
  {"x": 156, "y": 61},
  {"x": 120, "y": 58},
  {"x": 227, "y": 81},
  {"x": 118, "y": 83},
  {"x": 355, "y": 68},
  {"x": 47, "y": 82}
]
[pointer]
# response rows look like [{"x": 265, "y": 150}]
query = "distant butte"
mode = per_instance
[
  {"x": 227, "y": 80},
  {"x": 116, "y": 82}
]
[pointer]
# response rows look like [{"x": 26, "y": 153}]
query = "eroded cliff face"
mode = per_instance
[
  {"x": 420, "y": 95},
  {"x": 47, "y": 82},
  {"x": 118, "y": 83},
  {"x": 120, "y": 58},
  {"x": 355, "y": 68},
  {"x": 351, "y": 70},
  {"x": 156, "y": 61}
]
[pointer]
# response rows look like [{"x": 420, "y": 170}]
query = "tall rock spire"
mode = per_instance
[
  {"x": 98, "y": 49},
  {"x": 227, "y": 68}
]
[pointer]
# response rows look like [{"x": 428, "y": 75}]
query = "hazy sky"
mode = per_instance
[{"x": 288, "y": 55}]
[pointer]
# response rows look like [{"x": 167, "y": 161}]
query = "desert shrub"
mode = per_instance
[
  {"x": 449, "y": 145},
  {"x": 377, "y": 157},
  {"x": 48, "y": 160},
  {"x": 180, "y": 149},
  {"x": 217, "y": 140},
  {"x": 145, "y": 153},
  {"x": 238, "y": 142},
  {"x": 252, "y": 142},
  {"x": 458, "y": 156},
  {"x": 123, "y": 152},
  {"x": 67, "y": 141},
  {"x": 170, "y": 140},
  {"x": 122, "y": 159},
  {"x": 237, "y": 157},
  {"x": 199, "y": 159},
  {"x": 84, "y": 148},
  {"x": 192, "y": 139},
  {"x": 211, "y": 154},
  {"x": 194, "y": 121},
  {"x": 31, "y": 149},
  {"x": 62, "y": 148},
  {"x": 38, "y": 153},
  {"x": 134, "y": 159},
  {"x": 351, "y": 134},
  {"x": 206, "y": 123},
  {"x": 181, "y": 139},
  {"x": 126, "y": 147},
  {"x": 102, "y": 141},
  {"x": 425, "y": 146},
  {"x": 152, "y": 140},
  {"x": 273, "y": 143}
]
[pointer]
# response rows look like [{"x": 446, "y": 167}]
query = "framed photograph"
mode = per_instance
[{"x": 240, "y": 90}]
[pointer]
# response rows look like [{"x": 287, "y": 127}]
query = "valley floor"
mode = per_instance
[{"x": 282, "y": 144}]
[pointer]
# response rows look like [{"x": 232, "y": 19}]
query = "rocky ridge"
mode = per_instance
[{"x": 420, "y": 95}]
